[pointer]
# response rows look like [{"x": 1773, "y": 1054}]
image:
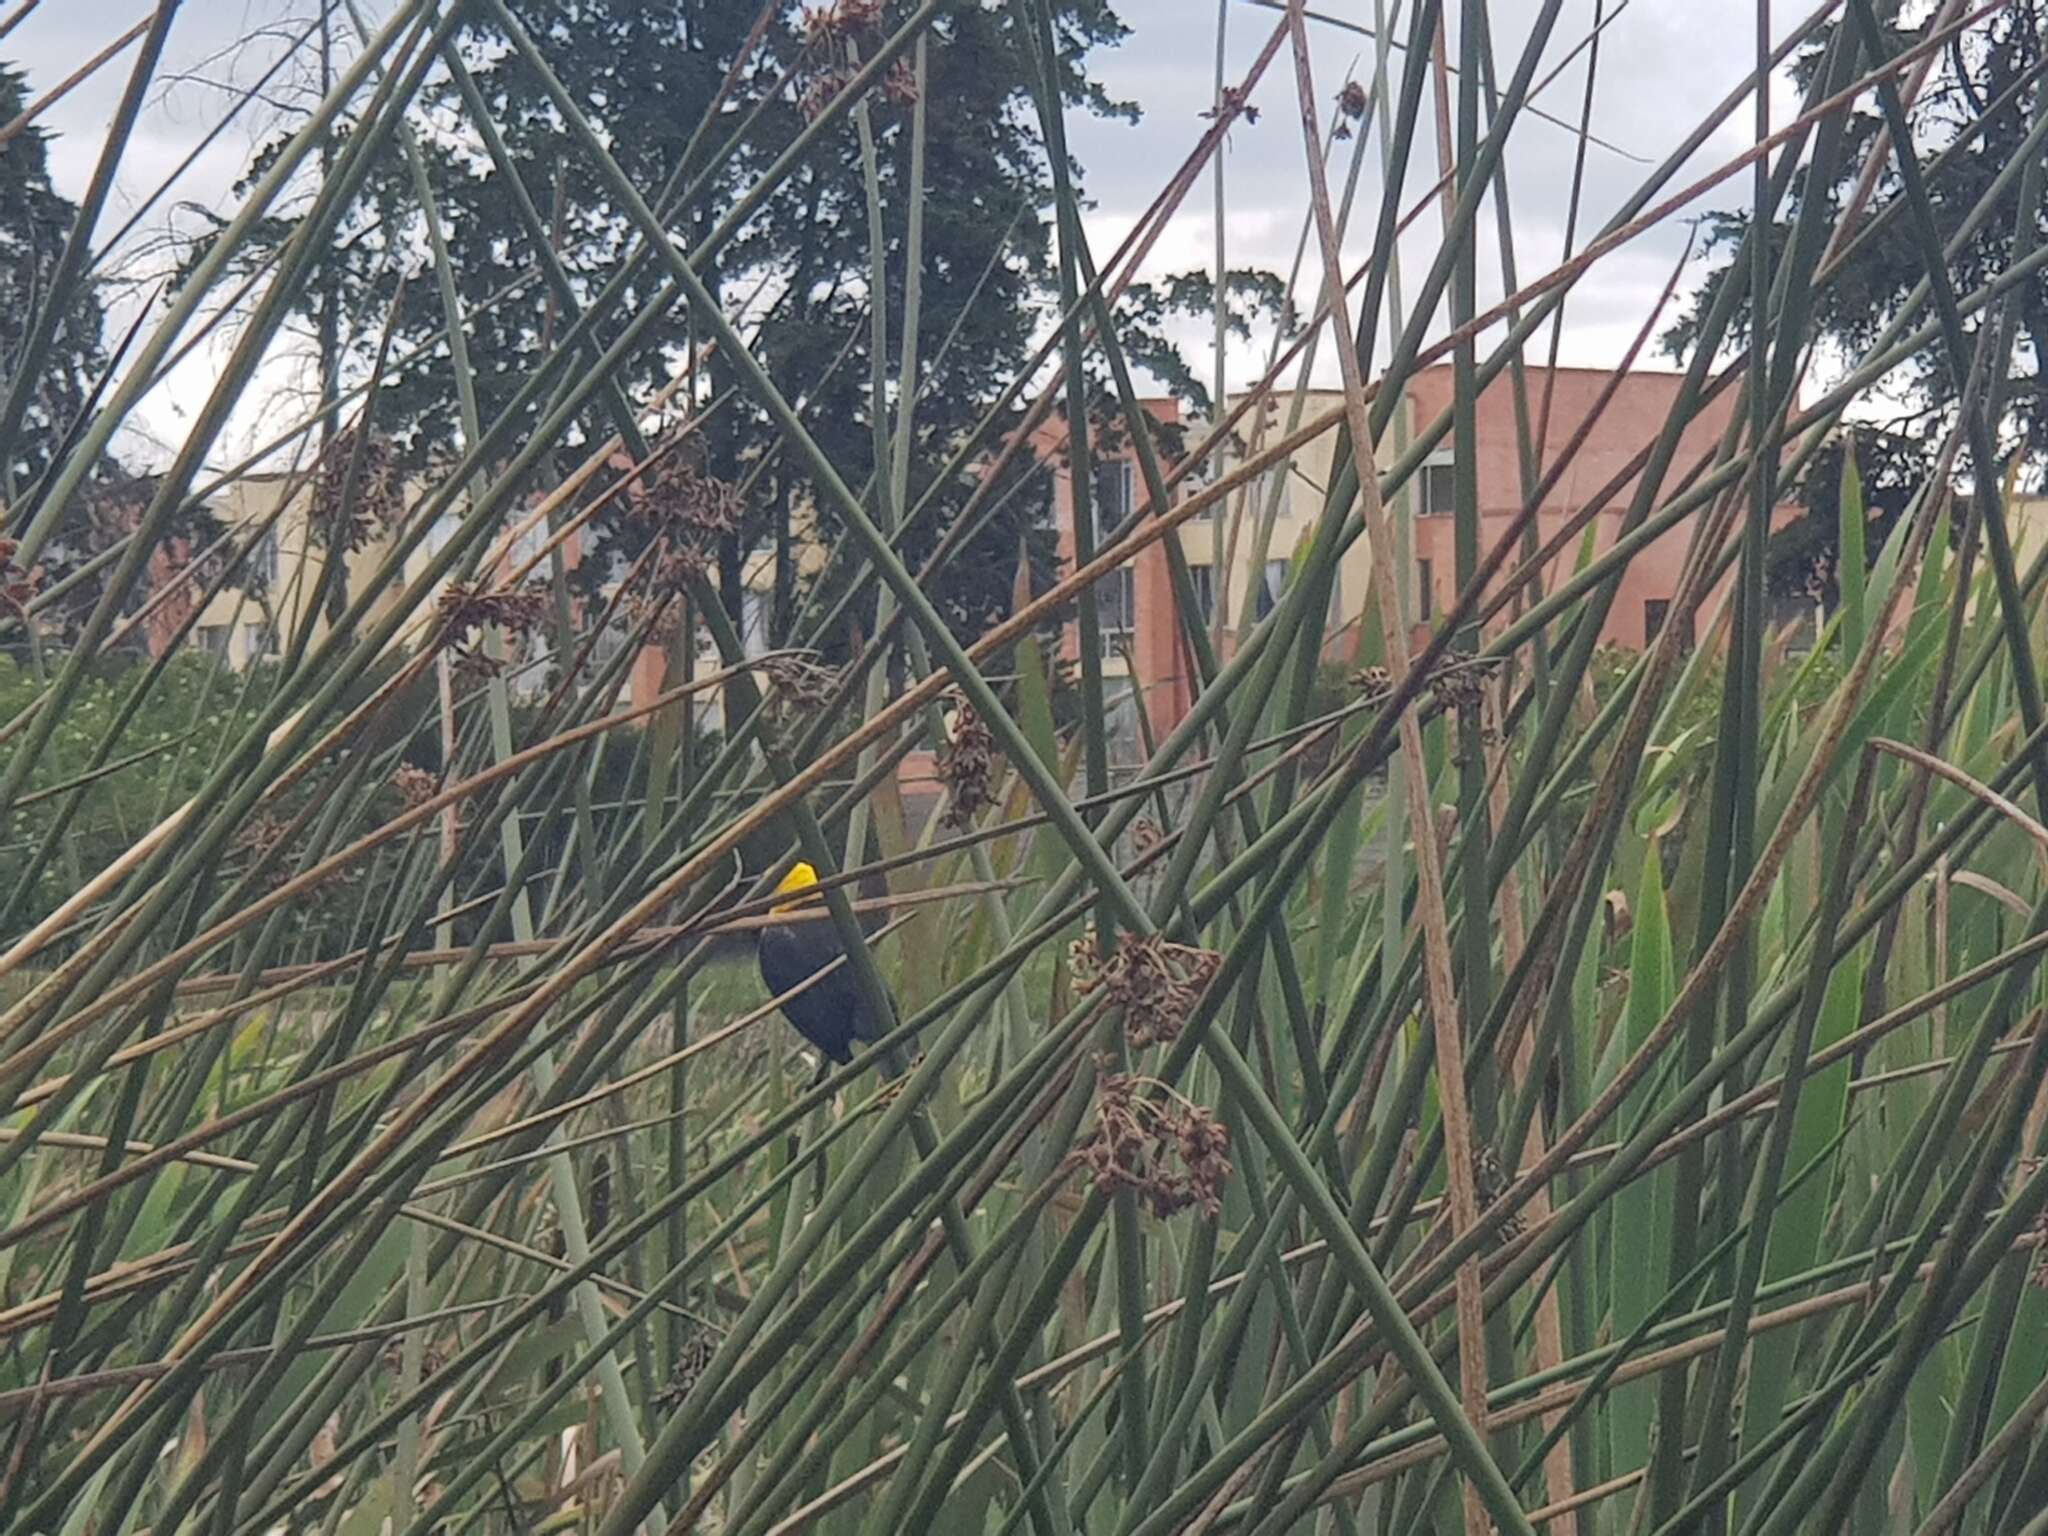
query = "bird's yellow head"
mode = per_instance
[{"x": 801, "y": 877}]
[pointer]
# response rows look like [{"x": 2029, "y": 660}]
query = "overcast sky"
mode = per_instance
[{"x": 1663, "y": 67}]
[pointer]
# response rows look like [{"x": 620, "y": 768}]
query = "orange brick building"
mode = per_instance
[{"x": 1246, "y": 545}]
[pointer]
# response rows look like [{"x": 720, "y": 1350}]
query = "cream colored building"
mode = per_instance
[
  {"x": 2027, "y": 524},
  {"x": 253, "y": 618},
  {"x": 1256, "y": 533}
]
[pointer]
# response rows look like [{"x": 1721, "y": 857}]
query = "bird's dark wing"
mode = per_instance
[{"x": 829, "y": 1013}]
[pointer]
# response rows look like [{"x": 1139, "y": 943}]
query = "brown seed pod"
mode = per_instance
[
  {"x": 1491, "y": 1181},
  {"x": 693, "y": 1354},
  {"x": 801, "y": 682},
  {"x": 967, "y": 767},
  {"x": 1155, "y": 982},
  {"x": 345, "y": 512},
  {"x": 1171, "y": 1153},
  {"x": 17, "y": 586},
  {"x": 415, "y": 785}
]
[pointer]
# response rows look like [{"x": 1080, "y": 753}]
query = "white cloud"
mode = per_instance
[{"x": 1661, "y": 70}]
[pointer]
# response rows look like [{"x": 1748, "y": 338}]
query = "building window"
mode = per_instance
[
  {"x": 1116, "y": 594},
  {"x": 1203, "y": 579},
  {"x": 1439, "y": 490},
  {"x": 258, "y": 639},
  {"x": 263, "y": 559},
  {"x": 1655, "y": 611},
  {"x": 1116, "y": 608},
  {"x": 213, "y": 639},
  {"x": 1798, "y": 614},
  {"x": 753, "y": 623},
  {"x": 1112, "y": 497},
  {"x": 1270, "y": 587},
  {"x": 440, "y": 531},
  {"x": 1425, "y": 592},
  {"x": 610, "y": 641}
]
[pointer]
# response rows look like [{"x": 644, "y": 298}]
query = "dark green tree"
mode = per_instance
[
  {"x": 799, "y": 275},
  {"x": 1803, "y": 557},
  {"x": 1978, "y": 101},
  {"x": 35, "y": 223}
]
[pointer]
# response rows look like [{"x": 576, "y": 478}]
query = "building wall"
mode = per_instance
[
  {"x": 246, "y": 623},
  {"x": 1164, "y": 676},
  {"x": 1251, "y": 538},
  {"x": 1254, "y": 535},
  {"x": 2026, "y": 523},
  {"x": 1632, "y": 419}
]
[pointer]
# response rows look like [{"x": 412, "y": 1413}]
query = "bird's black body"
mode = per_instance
[{"x": 829, "y": 1013}]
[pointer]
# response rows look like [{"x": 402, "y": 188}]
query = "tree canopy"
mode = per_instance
[
  {"x": 799, "y": 277},
  {"x": 1974, "y": 111},
  {"x": 36, "y": 222}
]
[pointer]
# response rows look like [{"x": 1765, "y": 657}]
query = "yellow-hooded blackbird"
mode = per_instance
[{"x": 829, "y": 1013}]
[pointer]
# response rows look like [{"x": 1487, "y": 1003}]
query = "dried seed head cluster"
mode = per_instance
[
  {"x": 415, "y": 785},
  {"x": 819, "y": 91},
  {"x": 900, "y": 84},
  {"x": 1350, "y": 108},
  {"x": 693, "y": 1354},
  {"x": 689, "y": 505},
  {"x": 833, "y": 25},
  {"x": 1153, "y": 980},
  {"x": 17, "y": 586},
  {"x": 829, "y": 31},
  {"x": 473, "y": 668},
  {"x": 1083, "y": 960},
  {"x": 967, "y": 767},
  {"x": 1146, "y": 835},
  {"x": 1234, "y": 105},
  {"x": 258, "y": 836},
  {"x": 657, "y": 612},
  {"x": 1457, "y": 686},
  {"x": 1490, "y": 1180},
  {"x": 347, "y": 515},
  {"x": 1169, "y": 1152},
  {"x": 432, "y": 1357},
  {"x": 467, "y": 609},
  {"x": 658, "y": 603},
  {"x": 1459, "y": 681},
  {"x": 679, "y": 567},
  {"x": 691, "y": 511},
  {"x": 800, "y": 682},
  {"x": 258, "y": 840}
]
